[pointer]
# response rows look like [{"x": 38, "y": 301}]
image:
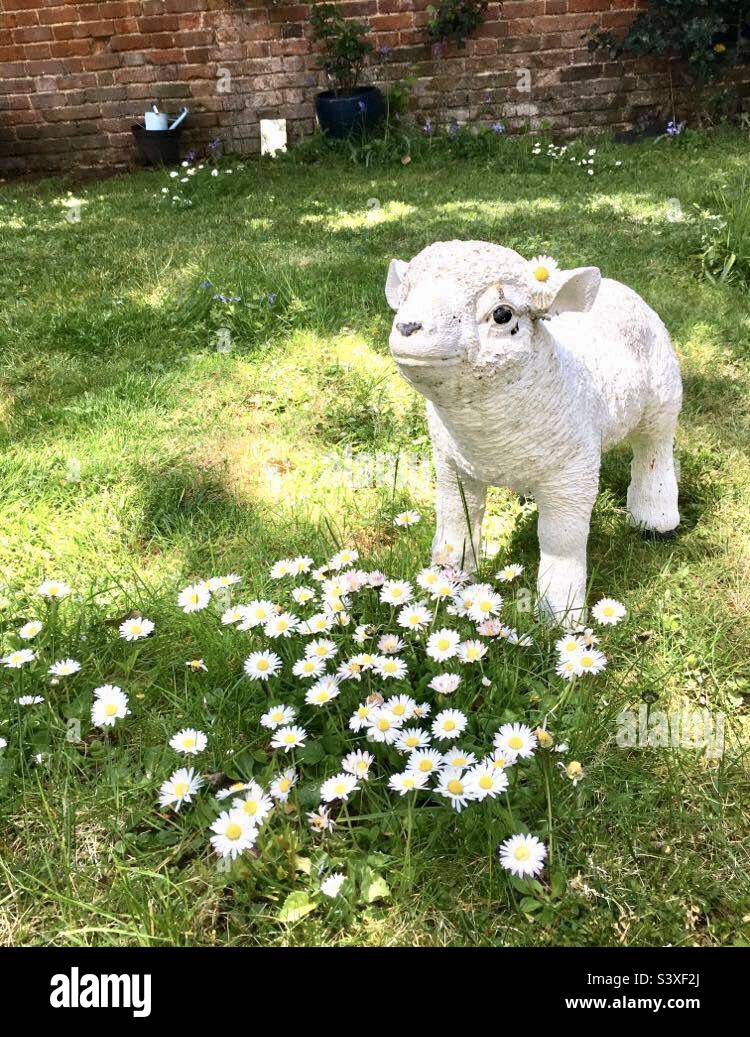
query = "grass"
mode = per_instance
[{"x": 136, "y": 457}]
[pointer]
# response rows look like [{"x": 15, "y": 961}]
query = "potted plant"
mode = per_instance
[{"x": 347, "y": 106}]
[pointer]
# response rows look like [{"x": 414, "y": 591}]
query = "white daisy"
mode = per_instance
[
  {"x": 196, "y": 665},
  {"x": 321, "y": 649},
  {"x": 358, "y": 763},
  {"x": 53, "y": 589},
  {"x": 15, "y": 660},
  {"x": 389, "y": 644},
  {"x": 471, "y": 651},
  {"x": 189, "y": 741},
  {"x": 509, "y": 573},
  {"x": 331, "y": 886},
  {"x": 459, "y": 758},
  {"x": 278, "y": 715},
  {"x": 426, "y": 761},
  {"x": 443, "y": 644},
  {"x": 301, "y": 564},
  {"x": 362, "y": 633},
  {"x": 29, "y": 700},
  {"x": 408, "y": 781},
  {"x": 281, "y": 625},
  {"x": 361, "y": 717},
  {"x": 255, "y": 803},
  {"x": 608, "y": 612},
  {"x": 448, "y": 724},
  {"x": 401, "y": 706},
  {"x": 257, "y": 613},
  {"x": 390, "y": 667},
  {"x": 518, "y": 738},
  {"x": 233, "y": 789},
  {"x": 485, "y": 605},
  {"x": 396, "y": 592},
  {"x": 523, "y": 855},
  {"x": 412, "y": 738},
  {"x": 588, "y": 660},
  {"x": 340, "y": 786},
  {"x": 136, "y": 628},
  {"x": 30, "y": 630},
  {"x": 383, "y": 726},
  {"x": 422, "y": 710},
  {"x": 259, "y": 666},
  {"x": 414, "y": 617},
  {"x": 320, "y": 623},
  {"x": 427, "y": 578},
  {"x": 283, "y": 784},
  {"x": 308, "y": 668},
  {"x": 289, "y": 737},
  {"x": 543, "y": 273},
  {"x": 407, "y": 518},
  {"x": 342, "y": 559},
  {"x": 110, "y": 705},
  {"x": 234, "y": 615},
  {"x": 221, "y": 582},
  {"x": 320, "y": 820},
  {"x": 180, "y": 788},
  {"x": 445, "y": 683},
  {"x": 483, "y": 781},
  {"x": 323, "y": 691},
  {"x": 234, "y": 833},
  {"x": 303, "y": 594},
  {"x": 349, "y": 670},
  {"x": 501, "y": 758},
  {"x": 566, "y": 668},
  {"x": 194, "y": 598},
  {"x": 281, "y": 569},
  {"x": 64, "y": 667},
  {"x": 568, "y": 646},
  {"x": 452, "y": 785}
]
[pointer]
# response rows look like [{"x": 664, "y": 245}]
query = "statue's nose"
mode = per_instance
[{"x": 408, "y": 329}]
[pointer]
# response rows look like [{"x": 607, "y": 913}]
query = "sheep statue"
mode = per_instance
[{"x": 530, "y": 372}]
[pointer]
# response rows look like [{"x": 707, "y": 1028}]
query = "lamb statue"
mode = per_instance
[{"x": 530, "y": 372}]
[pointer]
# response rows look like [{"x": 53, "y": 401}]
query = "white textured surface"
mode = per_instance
[{"x": 533, "y": 410}]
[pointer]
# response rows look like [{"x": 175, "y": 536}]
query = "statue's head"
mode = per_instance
[{"x": 468, "y": 310}]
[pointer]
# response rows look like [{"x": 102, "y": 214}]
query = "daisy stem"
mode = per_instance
[
  {"x": 545, "y": 769},
  {"x": 407, "y": 853}
]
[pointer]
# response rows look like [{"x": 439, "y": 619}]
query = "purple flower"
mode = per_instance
[
  {"x": 271, "y": 298},
  {"x": 428, "y": 127},
  {"x": 385, "y": 50},
  {"x": 205, "y": 284},
  {"x": 215, "y": 143},
  {"x": 361, "y": 105},
  {"x": 498, "y": 127},
  {"x": 191, "y": 156},
  {"x": 673, "y": 128},
  {"x": 453, "y": 128}
]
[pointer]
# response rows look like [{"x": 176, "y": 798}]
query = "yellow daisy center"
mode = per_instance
[
  {"x": 289, "y": 738},
  {"x": 233, "y": 831},
  {"x": 383, "y": 724},
  {"x": 250, "y": 806},
  {"x": 340, "y": 788},
  {"x": 455, "y": 787},
  {"x": 485, "y": 782},
  {"x": 515, "y": 742},
  {"x": 110, "y": 709},
  {"x": 425, "y": 765},
  {"x": 188, "y": 742},
  {"x": 262, "y": 664},
  {"x": 180, "y": 789},
  {"x": 541, "y": 273},
  {"x": 284, "y": 784},
  {"x": 449, "y": 725},
  {"x": 411, "y": 741},
  {"x": 522, "y": 853}
]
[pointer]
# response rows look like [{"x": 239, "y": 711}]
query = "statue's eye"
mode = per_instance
[{"x": 502, "y": 314}]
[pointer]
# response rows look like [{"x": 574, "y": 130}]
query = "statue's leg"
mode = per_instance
[
  {"x": 563, "y": 530},
  {"x": 652, "y": 494},
  {"x": 459, "y": 507}
]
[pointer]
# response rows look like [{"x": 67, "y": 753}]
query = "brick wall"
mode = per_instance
[{"x": 75, "y": 76}]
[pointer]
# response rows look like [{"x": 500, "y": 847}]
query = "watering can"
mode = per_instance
[{"x": 159, "y": 121}]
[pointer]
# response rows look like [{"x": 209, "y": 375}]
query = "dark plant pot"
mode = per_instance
[
  {"x": 340, "y": 115},
  {"x": 157, "y": 147}
]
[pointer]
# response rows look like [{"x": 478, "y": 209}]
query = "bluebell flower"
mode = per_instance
[
  {"x": 205, "y": 284},
  {"x": 673, "y": 128},
  {"x": 428, "y": 128},
  {"x": 271, "y": 298},
  {"x": 498, "y": 127},
  {"x": 361, "y": 105}
]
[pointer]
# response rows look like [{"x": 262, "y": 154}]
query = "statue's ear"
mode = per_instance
[
  {"x": 576, "y": 291},
  {"x": 396, "y": 272}
]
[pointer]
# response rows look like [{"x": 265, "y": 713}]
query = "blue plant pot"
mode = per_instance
[{"x": 340, "y": 115}]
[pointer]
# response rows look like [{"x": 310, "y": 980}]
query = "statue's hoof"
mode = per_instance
[{"x": 655, "y": 534}]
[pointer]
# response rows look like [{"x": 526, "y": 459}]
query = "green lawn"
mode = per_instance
[{"x": 137, "y": 458}]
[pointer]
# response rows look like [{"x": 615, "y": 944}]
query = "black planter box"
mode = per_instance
[
  {"x": 340, "y": 115},
  {"x": 157, "y": 147}
]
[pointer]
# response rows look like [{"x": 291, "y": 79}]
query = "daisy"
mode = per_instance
[
  {"x": 15, "y": 660},
  {"x": 566, "y": 668},
  {"x": 518, "y": 738},
  {"x": 3, "y": 743},
  {"x": 588, "y": 660},
  {"x": 588, "y": 637},
  {"x": 383, "y": 726},
  {"x": 196, "y": 665},
  {"x": 445, "y": 683},
  {"x": 234, "y": 615},
  {"x": 189, "y": 741},
  {"x": 254, "y": 803},
  {"x": 542, "y": 272},
  {"x": 308, "y": 668},
  {"x": 303, "y": 594},
  {"x": 331, "y": 886},
  {"x": 486, "y": 604},
  {"x": 301, "y": 564},
  {"x": 283, "y": 784},
  {"x": 573, "y": 770},
  {"x": 408, "y": 781},
  {"x": 414, "y": 617},
  {"x": 448, "y": 724},
  {"x": 459, "y": 758},
  {"x": 321, "y": 649},
  {"x": 608, "y": 612},
  {"x": 281, "y": 569},
  {"x": 422, "y": 710},
  {"x": 443, "y": 644},
  {"x": 544, "y": 738},
  {"x": 401, "y": 706},
  {"x": 442, "y": 589},
  {"x": 221, "y": 582},
  {"x": 281, "y": 625},
  {"x": 194, "y": 598},
  {"x": 523, "y": 855},
  {"x": 452, "y": 785},
  {"x": 257, "y": 613},
  {"x": 235, "y": 833},
  {"x": 412, "y": 738},
  {"x": 261, "y": 665},
  {"x": 376, "y": 578},
  {"x": 278, "y": 715},
  {"x": 427, "y": 578},
  {"x": 64, "y": 668},
  {"x": 180, "y": 788},
  {"x": 289, "y": 737},
  {"x": 568, "y": 646},
  {"x": 426, "y": 761},
  {"x": 323, "y": 691},
  {"x": 389, "y": 667},
  {"x": 361, "y": 718},
  {"x": 342, "y": 559},
  {"x": 110, "y": 705},
  {"x": 349, "y": 670},
  {"x": 340, "y": 786},
  {"x": 389, "y": 644},
  {"x": 233, "y": 789},
  {"x": 407, "y": 518},
  {"x": 320, "y": 820},
  {"x": 358, "y": 763},
  {"x": 365, "y": 660},
  {"x": 53, "y": 589},
  {"x": 509, "y": 573},
  {"x": 471, "y": 651},
  {"x": 136, "y": 628},
  {"x": 29, "y": 630},
  {"x": 320, "y": 623},
  {"x": 396, "y": 592},
  {"x": 362, "y": 633},
  {"x": 483, "y": 781},
  {"x": 501, "y": 759},
  {"x": 29, "y": 700}
]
